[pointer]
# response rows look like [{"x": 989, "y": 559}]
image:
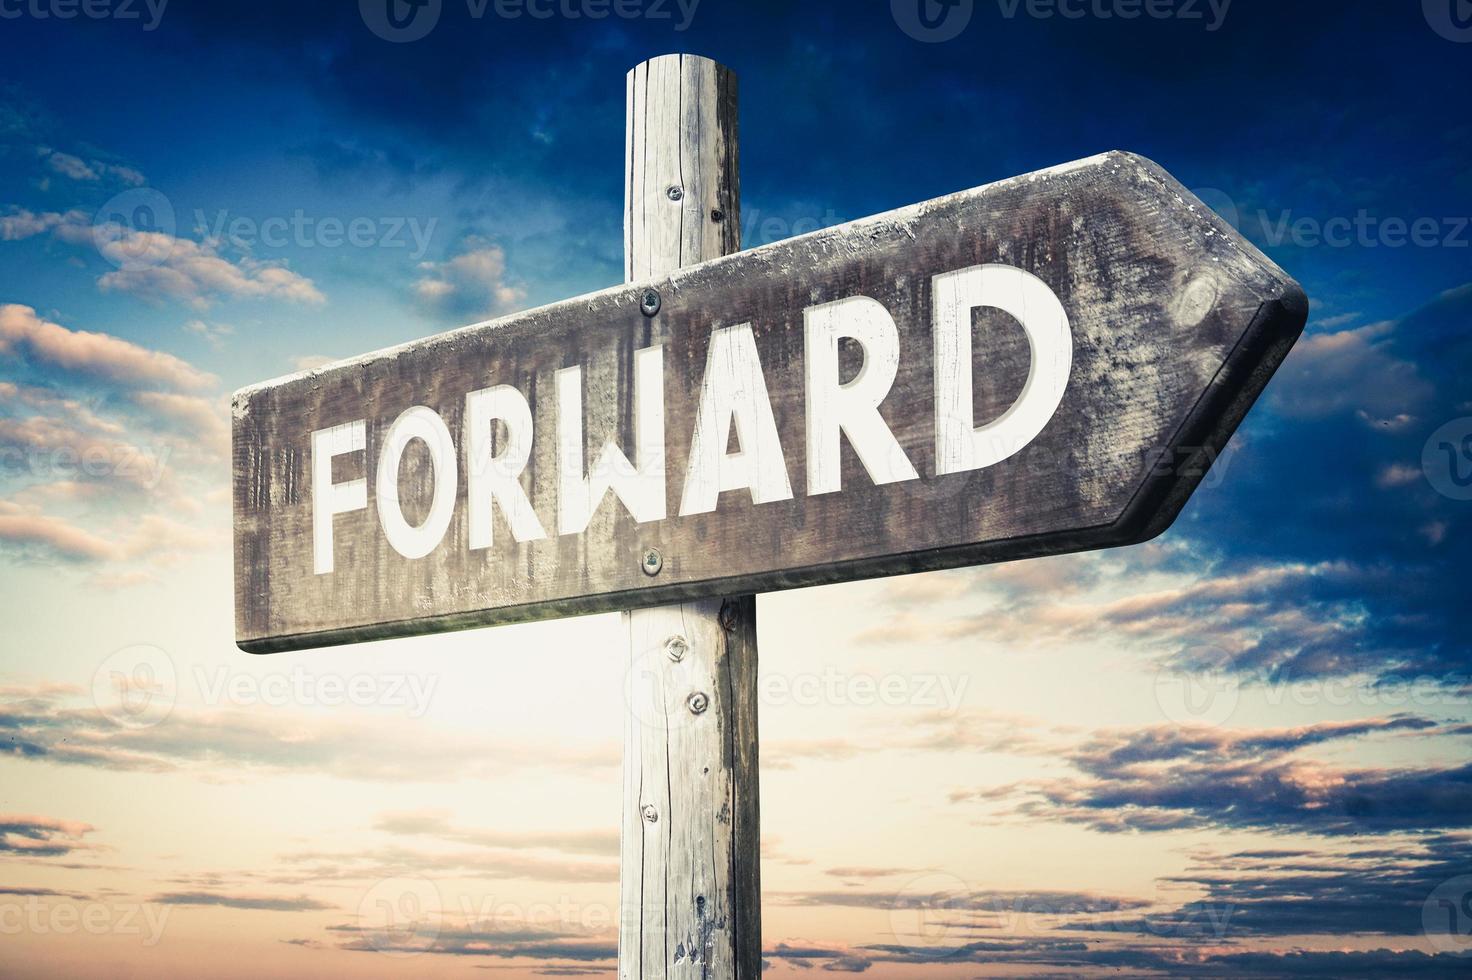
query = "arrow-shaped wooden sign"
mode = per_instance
[{"x": 1043, "y": 365}]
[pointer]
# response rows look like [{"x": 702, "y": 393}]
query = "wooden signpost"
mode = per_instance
[{"x": 1041, "y": 365}]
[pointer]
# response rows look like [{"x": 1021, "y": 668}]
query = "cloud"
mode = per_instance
[
  {"x": 977, "y": 908},
  {"x": 158, "y": 266},
  {"x": 471, "y": 285},
  {"x": 1377, "y": 888},
  {"x": 525, "y": 943},
  {"x": 202, "y": 419},
  {"x": 604, "y": 843},
  {"x": 1170, "y": 778},
  {"x": 104, "y": 445},
  {"x": 46, "y": 726},
  {"x": 54, "y": 537},
  {"x": 33, "y": 836},
  {"x": 310, "y": 362},
  {"x": 97, "y": 355},
  {"x": 90, "y": 171},
  {"x": 215, "y": 333},
  {"x": 69, "y": 166},
  {"x": 72, "y": 226},
  {"x": 1350, "y": 371},
  {"x": 49, "y": 449},
  {"x": 379, "y": 863},
  {"x": 255, "y": 903}
]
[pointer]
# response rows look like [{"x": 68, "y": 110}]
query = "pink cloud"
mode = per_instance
[{"x": 98, "y": 354}]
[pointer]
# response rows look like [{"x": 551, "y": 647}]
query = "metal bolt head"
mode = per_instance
[
  {"x": 649, "y": 302},
  {"x": 717, "y": 215},
  {"x": 651, "y": 815},
  {"x": 675, "y": 192},
  {"x": 698, "y": 702},
  {"x": 676, "y": 647},
  {"x": 652, "y": 563}
]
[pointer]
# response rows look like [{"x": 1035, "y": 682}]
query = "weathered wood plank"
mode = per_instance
[
  {"x": 1175, "y": 324},
  {"x": 690, "y": 893}
]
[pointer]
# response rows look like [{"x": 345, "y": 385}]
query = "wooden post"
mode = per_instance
[{"x": 690, "y": 901}]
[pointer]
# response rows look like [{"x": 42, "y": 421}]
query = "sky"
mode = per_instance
[{"x": 1241, "y": 749}]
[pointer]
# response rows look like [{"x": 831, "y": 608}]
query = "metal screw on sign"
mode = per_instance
[{"x": 653, "y": 562}]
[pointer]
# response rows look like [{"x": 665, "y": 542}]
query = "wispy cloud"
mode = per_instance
[
  {"x": 34, "y": 836},
  {"x": 1170, "y": 778},
  {"x": 471, "y": 285},
  {"x": 44, "y": 726},
  {"x": 98, "y": 355},
  {"x": 250, "y": 903}
]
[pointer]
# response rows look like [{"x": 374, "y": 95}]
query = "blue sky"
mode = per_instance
[{"x": 1068, "y": 813}]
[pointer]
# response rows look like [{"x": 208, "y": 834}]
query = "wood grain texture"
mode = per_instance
[
  {"x": 1177, "y": 324},
  {"x": 690, "y": 865},
  {"x": 690, "y": 885}
]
